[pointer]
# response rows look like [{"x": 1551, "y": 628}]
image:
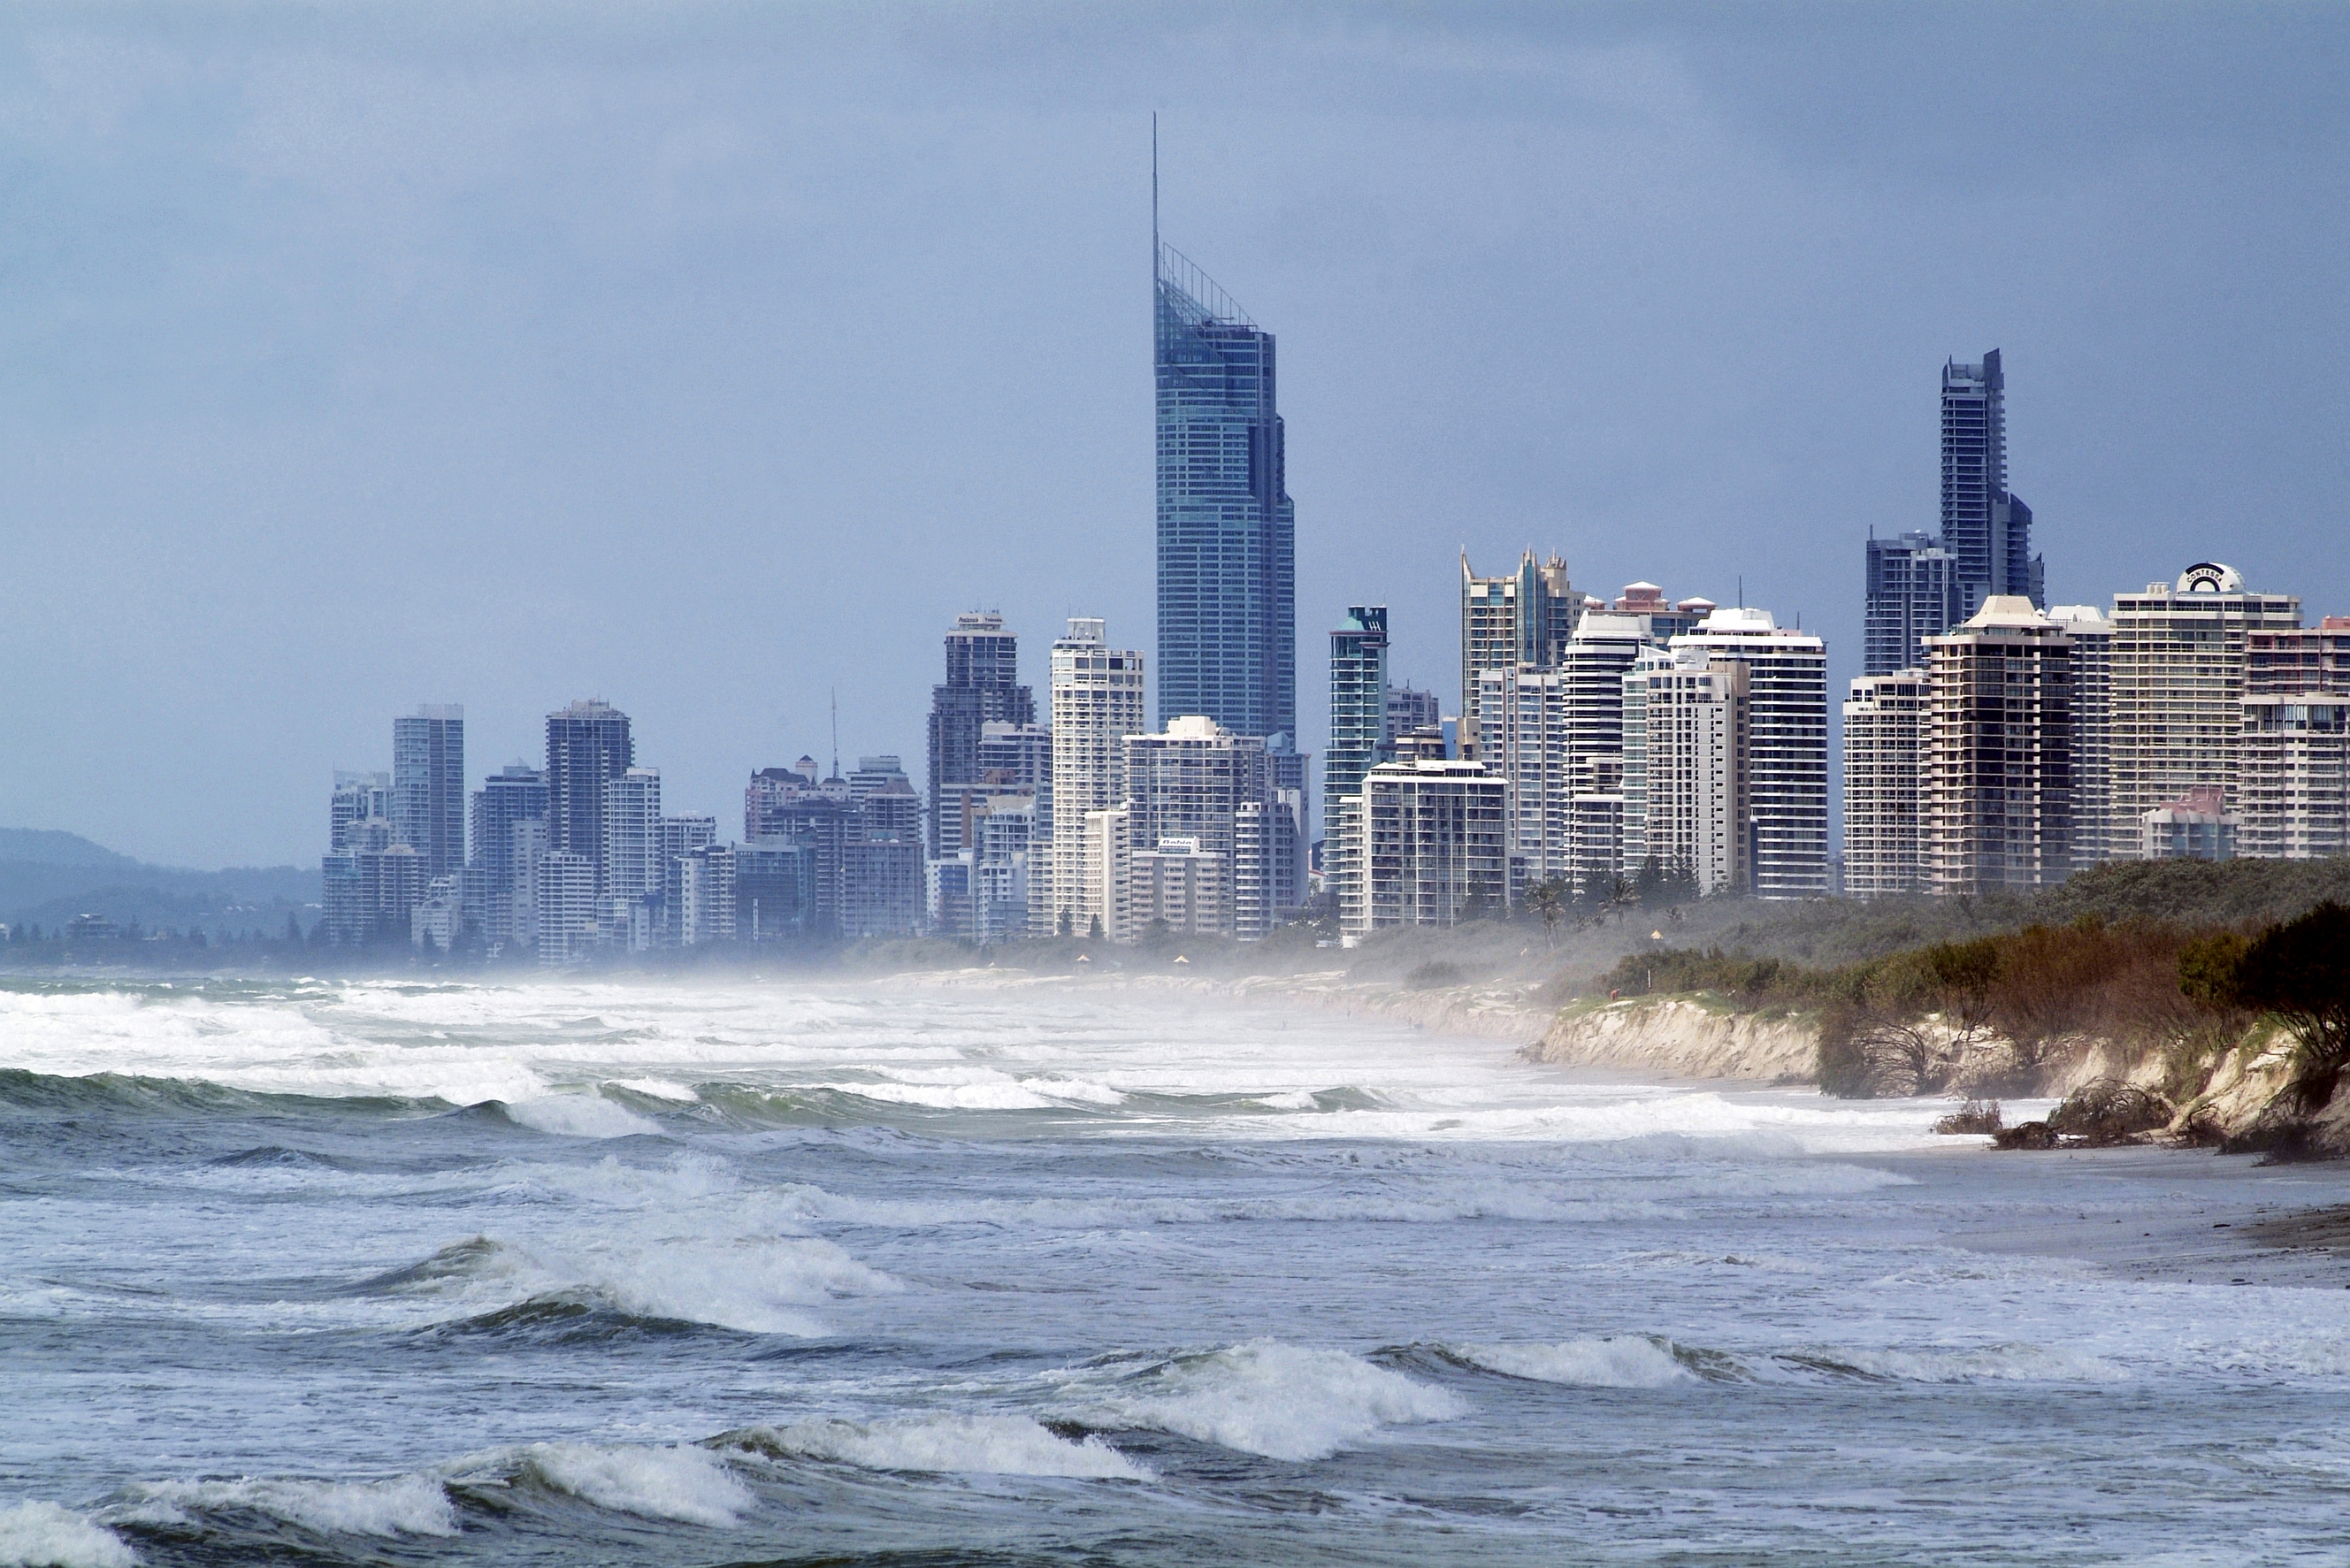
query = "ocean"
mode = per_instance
[{"x": 767, "y": 1270}]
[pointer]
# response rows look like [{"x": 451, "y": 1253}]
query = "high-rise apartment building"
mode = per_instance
[
  {"x": 2093, "y": 730},
  {"x": 516, "y": 794},
  {"x": 567, "y": 928},
  {"x": 1226, "y": 550},
  {"x": 359, "y": 813},
  {"x": 369, "y": 894},
  {"x": 1359, "y": 700},
  {"x": 1525, "y": 741},
  {"x": 1884, "y": 755},
  {"x": 1196, "y": 792},
  {"x": 2293, "y": 788},
  {"x": 1432, "y": 847},
  {"x": 428, "y": 785},
  {"x": 587, "y": 743},
  {"x": 982, "y": 687},
  {"x": 1660, "y": 621},
  {"x": 1688, "y": 723},
  {"x": 1097, "y": 701},
  {"x": 632, "y": 858},
  {"x": 1995, "y": 799},
  {"x": 1786, "y": 764},
  {"x": 1985, "y": 527},
  {"x": 1912, "y": 595},
  {"x": 1410, "y": 709},
  {"x": 1505, "y": 622},
  {"x": 2178, "y": 691}
]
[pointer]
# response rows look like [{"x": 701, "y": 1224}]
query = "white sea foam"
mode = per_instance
[
  {"x": 1614, "y": 1361},
  {"x": 968, "y": 1445},
  {"x": 1422, "y": 1203},
  {"x": 404, "y": 1505},
  {"x": 1284, "y": 1401},
  {"x": 688, "y": 1484},
  {"x": 43, "y": 1535},
  {"x": 579, "y": 1115}
]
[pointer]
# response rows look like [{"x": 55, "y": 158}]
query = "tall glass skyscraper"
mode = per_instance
[
  {"x": 1358, "y": 700},
  {"x": 1227, "y": 550},
  {"x": 1989, "y": 530}
]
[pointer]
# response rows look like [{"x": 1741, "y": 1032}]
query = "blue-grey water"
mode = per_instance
[{"x": 763, "y": 1271}]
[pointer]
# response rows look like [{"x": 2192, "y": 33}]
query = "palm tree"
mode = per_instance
[{"x": 1549, "y": 899}]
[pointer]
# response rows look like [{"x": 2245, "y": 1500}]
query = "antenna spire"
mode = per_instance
[
  {"x": 1154, "y": 195},
  {"x": 835, "y": 732}
]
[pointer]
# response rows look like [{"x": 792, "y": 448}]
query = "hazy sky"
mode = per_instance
[{"x": 707, "y": 358}]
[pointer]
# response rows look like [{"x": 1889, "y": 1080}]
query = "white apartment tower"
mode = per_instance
[
  {"x": 1095, "y": 703},
  {"x": 1883, "y": 757},
  {"x": 1995, "y": 804},
  {"x": 2293, "y": 782},
  {"x": 633, "y": 863},
  {"x": 1197, "y": 792},
  {"x": 1786, "y": 761},
  {"x": 1433, "y": 846},
  {"x": 2093, "y": 730},
  {"x": 1696, "y": 816},
  {"x": 2178, "y": 691}
]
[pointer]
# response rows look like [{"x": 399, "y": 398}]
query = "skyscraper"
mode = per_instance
[
  {"x": 2178, "y": 691},
  {"x": 982, "y": 687},
  {"x": 1096, "y": 702},
  {"x": 1523, "y": 618},
  {"x": 587, "y": 743},
  {"x": 1884, "y": 753},
  {"x": 1787, "y": 760},
  {"x": 1995, "y": 795},
  {"x": 1227, "y": 552},
  {"x": 632, "y": 865},
  {"x": 428, "y": 785},
  {"x": 1913, "y": 594},
  {"x": 1986, "y": 528},
  {"x": 2293, "y": 789},
  {"x": 514, "y": 795},
  {"x": 1358, "y": 700}
]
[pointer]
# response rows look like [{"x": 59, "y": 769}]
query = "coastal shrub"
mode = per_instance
[
  {"x": 1434, "y": 976},
  {"x": 2301, "y": 972},
  {"x": 1974, "y": 1116},
  {"x": 2025, "y": 1135},
  {"x": 2110, "y": 1111}
]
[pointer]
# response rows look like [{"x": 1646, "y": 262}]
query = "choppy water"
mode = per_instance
[{"x": 565, "y": 1273}]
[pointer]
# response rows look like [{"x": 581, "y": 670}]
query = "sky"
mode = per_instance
[{"x": 709, "y": 359}]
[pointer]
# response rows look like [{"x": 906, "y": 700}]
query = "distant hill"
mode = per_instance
[
  {"x": 48, "y": 847},
  {"x": 48, "y": 878}
]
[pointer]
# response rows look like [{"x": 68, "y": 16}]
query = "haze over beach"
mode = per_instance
[{"x": 1618, "y": 832}]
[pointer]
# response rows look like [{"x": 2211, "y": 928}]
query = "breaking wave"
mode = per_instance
[
  {"x": 691, "y": 1485},
  {"x": 43, "y": 1535},
  {"x": 405, "y": 1505},
  {"x": 966, "y": 1445},
  {"x": 1282, "y": 1401},
  {"x": 1652, "y": 1360}
]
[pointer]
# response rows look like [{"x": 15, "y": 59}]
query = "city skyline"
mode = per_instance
[{"x": 1523, "y": 270}]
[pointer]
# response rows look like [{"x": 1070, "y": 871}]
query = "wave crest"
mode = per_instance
[
  {"x": 404, "y": 1505},
  {"x": 43, "y": 1535},
  {"x": 966, "y": 1445},
  {"x": 687, "y": 1484},
  {"x": 1282, "y": 1401}
]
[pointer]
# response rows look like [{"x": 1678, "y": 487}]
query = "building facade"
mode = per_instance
[
  {"x": 2092, "y": 636},
  {"x": 2176, "y": 691},
  {"x": 516, "y": 794},
  {"x": 1505, "y": 622},
  {"x": 1884, "y": 758},
  {"x": 1359, "y": 700},
  {"x": 982, "y": 687},
  {"x": 588, "y": 744},
  {"x": 2292, "y": 791},
  {"x": 1433, "y": 846},
  {"x": 1785, "y": 769},
  {"x": 1995, "y": 802},
  {"x": 1697, "y": 815},
  {"x": 1227, "y": 563},
  {"x": 1912, "y": 595},
  {"x": 428, "y": 785},
  {"x": 1987, "y": 529},
  {"x": 1097, "y": 701},
  {"x": 1197, "y": 792}
]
